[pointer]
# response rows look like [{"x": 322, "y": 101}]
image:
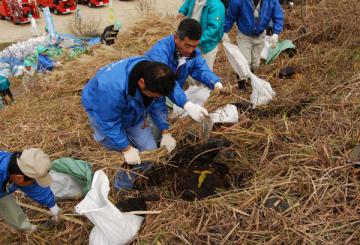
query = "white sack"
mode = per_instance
[
  {"x": 22, "y": 49},
  {"x": 64, "y": 186},
  {"x": 198, "y": 95},
  {"x": 262, "y": 93},
  {"x": 225, "y": 114},
  {"x": 112, "y": 227},
  {"x": 237, "y": 60}
]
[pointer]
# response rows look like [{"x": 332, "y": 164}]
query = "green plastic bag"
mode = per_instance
[
  {"x": 275, "y": 52},
  {"x": 80, "y": 170}
]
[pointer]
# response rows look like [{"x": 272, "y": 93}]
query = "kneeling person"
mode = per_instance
[
  {"x": 118, "y": 100},
  {"x": 29, "y": 172}
]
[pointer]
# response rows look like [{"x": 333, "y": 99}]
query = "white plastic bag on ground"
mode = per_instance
[
  {"x": 112, "y": 227},
  {"x": 64, "y": 186},
  {"x": 225, "y": 114},
  {"x": 262, "y": 92},
  {"x": 198, "y": 95}
]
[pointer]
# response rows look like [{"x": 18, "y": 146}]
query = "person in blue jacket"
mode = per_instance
[
  {"x": 118, "y": 101},
  {"x": 179, "y": 51},
  {"x": 27, "y": 171},
  {"x": 252, "y": 18},
  {"x": 211, "y": 15}
]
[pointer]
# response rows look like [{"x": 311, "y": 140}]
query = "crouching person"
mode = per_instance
[
  {"x": 118, "y": 100},
  {"x": 27, "y": 171}
]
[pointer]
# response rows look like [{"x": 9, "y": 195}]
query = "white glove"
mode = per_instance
[
  {"x": 225, "y": 38},
  {"x": 218, "y": 85},
  {"x": 55, "y": 212},
  {"x": 168, "y": 141},
  {"x": 132, "y": 156},
  {"x": 196, "y": 112},
  {"x": 274, "y": 40}
]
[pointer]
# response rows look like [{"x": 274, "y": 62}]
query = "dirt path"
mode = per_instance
[{"x": 125, "y": 11}]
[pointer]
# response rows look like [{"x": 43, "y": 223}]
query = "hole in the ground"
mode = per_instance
[{"x": 197, "y": 174}]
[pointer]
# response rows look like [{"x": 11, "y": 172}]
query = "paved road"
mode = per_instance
[{"x": 125, "y": 11}]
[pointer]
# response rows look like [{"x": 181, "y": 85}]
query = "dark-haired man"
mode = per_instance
[
  {"x": 118, "y": 100},
  {"x": 179, "y": 51},
  {"x": 29, "y": 172}
]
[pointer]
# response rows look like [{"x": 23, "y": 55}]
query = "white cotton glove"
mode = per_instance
[
  {"x": 225, "y": 38},
  {"x": 274, "y": 40},
  {"x": 196, "y": 112},
  {"x": 132, "y": 156},
  {"x": 55, "y": 212},
  {"x": 168, "y": 141},
  {"x": 218, "y": 85}
]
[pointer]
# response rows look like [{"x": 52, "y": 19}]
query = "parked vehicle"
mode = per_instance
[
  {"x": 93, "y": 3},
  {"x": 58, "y": 6},
  {"x": 18, "y": 11}
]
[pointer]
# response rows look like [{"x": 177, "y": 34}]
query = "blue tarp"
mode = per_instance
[{"x": 44, "y": 63}]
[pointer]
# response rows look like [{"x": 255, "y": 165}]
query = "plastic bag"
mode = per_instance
[
  {"x": 262, "y": 92},
  {"x": 225, "y": 114},
  {"x": 111, "y": 225},
  {"x": 265, "y": 50},
  {"x": 64, "y": 186},
  {"x": 237, "y": 60}
]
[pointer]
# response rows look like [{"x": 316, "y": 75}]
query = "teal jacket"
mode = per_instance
[{"x": 211, "y": 20}]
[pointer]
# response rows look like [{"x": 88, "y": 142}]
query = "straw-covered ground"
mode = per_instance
[{"x": 295, "y": 149}]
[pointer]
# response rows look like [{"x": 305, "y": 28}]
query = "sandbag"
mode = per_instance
[
  {"x": 65, "y": 186},
  {"x": 112, "y": 227}
]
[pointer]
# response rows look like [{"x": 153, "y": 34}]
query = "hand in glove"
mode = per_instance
[
  {"x": 218, "y": 85},
  {"x": 196, "y": 112},
  {"x": 225, "y": 38},
  {"x": 168, "y": 141},
  {"x": 55, "y": 212},
  {"x": 274, "y": 40},
  {"x": 132, "y": 156}
]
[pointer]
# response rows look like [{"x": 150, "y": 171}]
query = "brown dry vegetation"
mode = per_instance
[{"x": 296, "y": 148}]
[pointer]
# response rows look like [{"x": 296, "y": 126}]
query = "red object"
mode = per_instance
[
  {"x": 93, "y": 3},
  {"x": 18, "y": 11},
  {"x": 58, "y": 6}
]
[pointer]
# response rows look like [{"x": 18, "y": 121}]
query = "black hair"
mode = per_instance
[
  {"x": 158, "y": 77},
  {"x": 14, "y": 167},
  {"x": 189, "y": 28}
]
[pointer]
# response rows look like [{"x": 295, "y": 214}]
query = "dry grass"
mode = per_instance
[
  {"x": 85, "y": 27},
  {"x": 295, "y": 148}
]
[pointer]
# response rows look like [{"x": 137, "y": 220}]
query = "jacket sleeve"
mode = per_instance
[
  {"x": 41, "y": 195},
  {"x": 178, "y": 96},
  {"x": 159, "y": 114},
  {"x": 202, "y": 72},
  {"x": 184, "y": 9},
  {"x": 159, "y": 53},
  {"x": 232, "y": 14},
  {"x": 278, "y": 18},
  {"x": 215, "y": 24},
  {"x": 107, "y": 116}
]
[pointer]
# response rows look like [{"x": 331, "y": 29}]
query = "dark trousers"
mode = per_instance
[{"x": 8, "y": 93}]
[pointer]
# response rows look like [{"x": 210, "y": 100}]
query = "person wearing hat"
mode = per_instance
[
  {"x": 27, "y": 171},
  {"x": 5, "y": 89},
  {"x": 28, "y": 79}
]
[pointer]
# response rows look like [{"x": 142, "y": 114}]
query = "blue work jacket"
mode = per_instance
[
  {"x": 164, "y": 51},
  {"x": 41, "y": 195},
  {"x": 242, "y": 12},
  {"x": 211, "y": 20},
  {"x": 106, "y": 98}
]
